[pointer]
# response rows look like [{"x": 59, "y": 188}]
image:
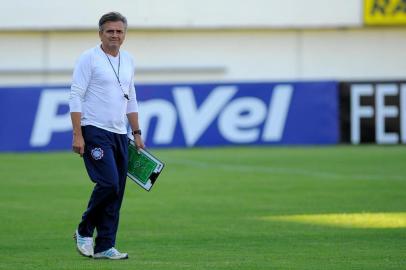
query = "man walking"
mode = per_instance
[{"x": 102, "y": 97}]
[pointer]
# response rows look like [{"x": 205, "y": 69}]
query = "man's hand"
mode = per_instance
[
  {"x": 78, "y": 144},
  {"x": 138, "y": 141}
]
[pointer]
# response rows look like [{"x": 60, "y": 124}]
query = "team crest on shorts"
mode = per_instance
[{"x": 97, "y": 153}]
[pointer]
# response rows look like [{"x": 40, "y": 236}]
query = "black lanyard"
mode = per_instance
[{"x": 117, "y": 73}]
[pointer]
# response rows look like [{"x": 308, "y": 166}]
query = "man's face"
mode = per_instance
[{"x": 112, "y": 35}]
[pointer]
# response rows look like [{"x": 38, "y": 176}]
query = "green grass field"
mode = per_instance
[{"x": 224, "y": 208}]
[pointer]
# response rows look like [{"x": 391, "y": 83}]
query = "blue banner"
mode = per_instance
[{"x": 185, "y": 115}]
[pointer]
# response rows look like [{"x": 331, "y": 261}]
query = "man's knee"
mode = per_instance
[{"x": 109, "y": 187}]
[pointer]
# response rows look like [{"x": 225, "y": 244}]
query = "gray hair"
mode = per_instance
[{"x": 112, "y": 17}]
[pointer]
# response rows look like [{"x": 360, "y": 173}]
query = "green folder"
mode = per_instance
[{"x": 143, "y": 167}]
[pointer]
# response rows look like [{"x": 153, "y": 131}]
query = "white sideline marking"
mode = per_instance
[{"x": 281, "y": 170}]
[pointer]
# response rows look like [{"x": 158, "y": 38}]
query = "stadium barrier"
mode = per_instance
[
  {"x": 373, "y": 112},
  {"x": 185, "y": 115}
]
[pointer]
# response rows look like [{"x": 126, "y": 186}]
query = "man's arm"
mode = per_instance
[
  {"x": 78, "y": 143},
  {"x": 80, "y": 81},
  {"x": 133, "y": 120}
]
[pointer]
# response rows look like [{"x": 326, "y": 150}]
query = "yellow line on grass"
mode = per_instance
[{"x": 353, "y": 220}]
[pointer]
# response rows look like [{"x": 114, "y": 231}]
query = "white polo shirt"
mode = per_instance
[{"x": 96, "y": 93}]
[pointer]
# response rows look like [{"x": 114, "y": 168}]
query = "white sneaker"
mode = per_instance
[
  {"x": 112, "y": 254},
  {"x": 84, "y": 245}
]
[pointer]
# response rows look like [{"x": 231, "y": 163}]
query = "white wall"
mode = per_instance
[
  {"x": 190, "y": 14},
  {"x": 355, "y": 54},
  {"x": 211, "y": 40},
  {"x": 185, "y": 56}
]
